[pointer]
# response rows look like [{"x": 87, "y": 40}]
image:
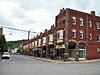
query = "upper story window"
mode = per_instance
[
  {"x": 91, "y": 37},
  {"x": 98, "y": 49},
  {"x": 81, "y": 34},
  {"x": 74, "y": 20},
  {"x": 73, "y": 33},
  {"x": 44, "y": 40},
  {"x": 98, "y": 25},
  {"x": 98, "y": 38},
  {"x": 32, "y": 43},
  {"x": 81, "y": 22},
  {"x": 39, "y": 41},
  {"x": 90, "y": 24},
  {"x": 51, "y": 37},
  {"x": 60, "y": 34},
  {"x": 35, "y": 43}
]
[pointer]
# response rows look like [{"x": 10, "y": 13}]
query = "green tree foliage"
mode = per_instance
[{"x": 3, "y": 44}]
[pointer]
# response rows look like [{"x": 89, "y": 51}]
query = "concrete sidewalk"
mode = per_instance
[{"x": 67, "y": 62}]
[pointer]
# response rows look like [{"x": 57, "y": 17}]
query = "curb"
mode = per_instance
[{"x": 60, "y": 62}]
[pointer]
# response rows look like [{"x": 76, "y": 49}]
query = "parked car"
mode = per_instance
[{"x": 6, "y": 55}]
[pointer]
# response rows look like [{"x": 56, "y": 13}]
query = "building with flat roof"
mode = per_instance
[{"x": 75, "y": 33}]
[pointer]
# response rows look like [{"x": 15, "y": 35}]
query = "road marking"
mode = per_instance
[{"x": 2, "y": 61}]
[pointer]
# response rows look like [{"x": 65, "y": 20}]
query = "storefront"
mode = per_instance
[
  {"x": 82, "y": 51},
  {"x": 77, "y": 50},
  {"x": 72, "y": 50},
  {"x": 60, "y": 49}
]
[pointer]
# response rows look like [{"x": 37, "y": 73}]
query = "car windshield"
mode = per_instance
[{"x": 6, "y": 53}]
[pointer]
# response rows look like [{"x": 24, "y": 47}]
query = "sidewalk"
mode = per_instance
[
  {"x": 0, "y": 58},
  {"x": 67, "y": 62}
]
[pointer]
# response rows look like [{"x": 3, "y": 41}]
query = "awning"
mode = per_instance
[{"x": 60, "y": 46}]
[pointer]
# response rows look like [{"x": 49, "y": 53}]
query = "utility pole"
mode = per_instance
[{"x": 28, "y": 35}]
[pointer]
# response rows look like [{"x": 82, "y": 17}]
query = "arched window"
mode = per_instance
[
  {"x": 81, "y": 34},
  {"x": 73, "y": 33},
  {"x": 81, "y": 22},
  {"x": 91, "y": 37},
  {"x": 90, "y": 24},
  {"x": 74, "y": 20}
]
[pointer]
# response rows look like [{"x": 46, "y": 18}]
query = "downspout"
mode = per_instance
[{"x": 86, "y": 36}]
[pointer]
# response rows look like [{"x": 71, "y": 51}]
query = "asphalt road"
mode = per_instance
[{"x": 24, "y": 65}]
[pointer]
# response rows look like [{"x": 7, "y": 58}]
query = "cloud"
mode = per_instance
[{"x": 37, "y": 15}]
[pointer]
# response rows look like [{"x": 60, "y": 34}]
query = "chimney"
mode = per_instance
[
  {"x": 93, "y": 13},
  {"x": 60, "y": 10},
  {"x": 41, "y": 33},
  {"x": 63, "y": 9},
  {"x": 37, "y": 35},
  {"x": 45, "y": 30}
]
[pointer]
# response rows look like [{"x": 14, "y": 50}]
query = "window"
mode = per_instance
[
  {"x": 91, "y": 36},
  {"x": 81, "y": 34},
  {"x": 98, "y": 25},
  {"x": 98, "y": 38},
  {"x": 90, "y": 24},
  {"x": 33, "y": 43},
  {"x": 73, "y": 20},
  {"x": 51, "y": 37},
  {"x": 39, "y": 41},
  {"x": 44, "y": 40},
  {"x": 73, "y": 33},
  {"x": 60, "y": 34},
  {"x": 81, "y": 22},
  {"x": 98, "y": 49}
]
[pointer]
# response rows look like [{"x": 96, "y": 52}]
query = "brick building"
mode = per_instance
[{"x": 75, "y": 33}]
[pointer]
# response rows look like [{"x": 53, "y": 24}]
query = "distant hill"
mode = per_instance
[{"x": 14, "y": 44}]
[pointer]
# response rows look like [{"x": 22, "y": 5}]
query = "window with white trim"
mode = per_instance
[
  {"x": 44, "y": 40},
  {"x": 98, "y": 25},
  {"x": 81, "y": 22},
  {"x": 98, "y": 38},
  {"x": 74, "y": 20},
  {"x": 60, "y": 34},
  {"x": 98, "y": 49},
  {"x": 90, "y": 24},
  {"x": 39, "y": 41},
  {"x": 91, "y": 37},
  {"x": 73, "y": 33},
  {"x": 51, "y": 37},
  {"x": 35, "y": 43},
  {"x": 81, "y": 34},
  {"x": 32, "y": 43}
]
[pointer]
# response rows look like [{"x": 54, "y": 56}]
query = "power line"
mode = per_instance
[
  {"x": 19, "y": 29},
  {"x": 28, "y": 31}
]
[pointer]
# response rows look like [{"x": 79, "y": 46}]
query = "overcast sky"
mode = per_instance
[{"x": 37, "y": 15}]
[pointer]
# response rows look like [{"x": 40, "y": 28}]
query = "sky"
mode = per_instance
[{"x": 37, "y": 15}]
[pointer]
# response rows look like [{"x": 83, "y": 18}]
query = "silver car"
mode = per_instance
[{"x": 6, "y": 55}]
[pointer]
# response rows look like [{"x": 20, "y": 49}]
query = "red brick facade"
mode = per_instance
[{"x": 75, "y": 32}]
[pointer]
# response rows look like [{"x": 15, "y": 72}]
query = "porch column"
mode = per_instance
[
  {"x": 47, "y": 53},
  {"x": 77, "y": 53},
  {"x": 66, "y": 53}
]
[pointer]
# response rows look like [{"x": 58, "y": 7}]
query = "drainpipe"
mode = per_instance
[
  {"x": 47, "y": 40},
  {"x": 86, "y": 36}
]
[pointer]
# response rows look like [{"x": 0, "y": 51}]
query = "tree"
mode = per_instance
[{"x": 3, "y": 44}]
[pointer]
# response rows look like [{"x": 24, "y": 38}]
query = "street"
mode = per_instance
[{"x": 25, "y": 65}]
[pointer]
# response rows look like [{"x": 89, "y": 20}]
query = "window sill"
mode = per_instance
[{"x": 98, "y": 41}]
